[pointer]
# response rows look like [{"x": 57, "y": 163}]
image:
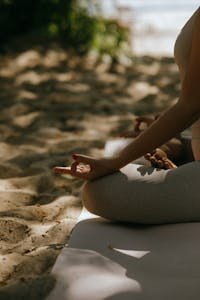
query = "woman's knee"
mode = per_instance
[{"x": 90, "y": 198}]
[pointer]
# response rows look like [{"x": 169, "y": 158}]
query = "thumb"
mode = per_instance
[{"x": 83, "y": 159}]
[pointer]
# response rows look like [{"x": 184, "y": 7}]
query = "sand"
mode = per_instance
[{"x": 53, "y": 104}]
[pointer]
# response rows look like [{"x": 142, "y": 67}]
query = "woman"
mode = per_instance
[{"x": 149, "y": 195}]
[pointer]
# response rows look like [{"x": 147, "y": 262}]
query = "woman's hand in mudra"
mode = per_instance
[
  {"x": 141, "y": 123},
  {"x": 88, "y": 168},
  {"x": 159, "y": 159}
]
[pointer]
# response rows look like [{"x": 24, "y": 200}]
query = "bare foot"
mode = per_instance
[{"x": 158, "y": 158}]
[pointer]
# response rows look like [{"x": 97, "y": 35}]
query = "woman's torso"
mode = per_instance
[
  {"x": 182, "y": 50},
  {"x": 183, "y": 45}
]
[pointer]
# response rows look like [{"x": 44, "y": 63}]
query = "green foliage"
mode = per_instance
[
  {"x": 63, "y": 20},
  {"x": 80, "y": 30},
  {"x": 24, "y": 16},
  {"x": 110, "y": 37}
]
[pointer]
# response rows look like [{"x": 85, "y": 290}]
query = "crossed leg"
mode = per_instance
[{"x": 146, "y": 195}]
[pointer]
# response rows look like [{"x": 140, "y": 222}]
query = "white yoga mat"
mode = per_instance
[{"x": 121, "y": 262}]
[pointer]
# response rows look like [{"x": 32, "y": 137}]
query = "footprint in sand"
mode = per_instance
[
  {"x": 12, "y": 231},
  {"x": 14, "y": 199},
  {"x": 61, "y": 208}
]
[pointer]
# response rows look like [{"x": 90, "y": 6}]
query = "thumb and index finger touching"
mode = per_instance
[{"x": 78, "y": 159}]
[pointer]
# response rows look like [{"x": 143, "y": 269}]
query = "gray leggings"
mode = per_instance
[{"x": 141, "y": 194}]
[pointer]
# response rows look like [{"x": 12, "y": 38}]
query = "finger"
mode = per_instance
[
  {"x": 147, "y": 120},
  {"x": 83, "y": 159},
  {"x": 166, "y": 165},
  {"x": 165, "y": 159},
  {"x": 83, "y": 174},
  {"x": 160, "y": 163},
  {"x": 62, "y": 170},
  {"x": 74, "y": 168},
  {"x": 67, "y": 170},
  {"x": 153, "y": 152},
  {"x": 83, "y": 169},
  {"x": 80, "y": 171},
  {"x": 80, "y": 168},
  {"x": 157, "y": 156},
  {"x": 153, "y": 161},
  {"x": 137, "y": 125},
  {"x": 169, "y": 164},
  {"x": 147, "y": 156},
  {"x": 160, "y": 153}
]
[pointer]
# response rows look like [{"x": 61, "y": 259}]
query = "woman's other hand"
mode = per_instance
[
  {"x": 141, "y": 124},
  {"x": 158, "y": 159},
  {"x": 88, "y": 168}
]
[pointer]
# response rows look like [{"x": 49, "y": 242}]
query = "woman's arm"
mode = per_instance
[
  {"x": 183, "y": 114},
  {"x": 176, "y": 119},
  {"x": 173, "y": 121},
  {"x": 180, "y": 116}
]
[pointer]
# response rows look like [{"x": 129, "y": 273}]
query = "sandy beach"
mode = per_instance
[{"x": 53, "y": 104}]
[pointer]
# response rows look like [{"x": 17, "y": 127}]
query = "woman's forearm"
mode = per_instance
[{"x": 173, "y": 121}]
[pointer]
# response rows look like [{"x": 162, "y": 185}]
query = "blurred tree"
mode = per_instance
[
  {"x": 22, "y": 16},
  {"x": 64, "y": 20}
]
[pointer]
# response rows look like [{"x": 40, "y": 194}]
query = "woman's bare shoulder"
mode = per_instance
[
  {"x": 196, "y": 34},
  {"x": 191, "y": 86}
]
